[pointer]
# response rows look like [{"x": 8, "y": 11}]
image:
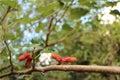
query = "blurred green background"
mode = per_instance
[{"x": 91, "y": 29}]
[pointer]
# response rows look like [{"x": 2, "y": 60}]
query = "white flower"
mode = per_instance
[{"x": 45, "y": 59}]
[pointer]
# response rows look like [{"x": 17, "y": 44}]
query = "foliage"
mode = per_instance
[{"x": 87, "y": 36}]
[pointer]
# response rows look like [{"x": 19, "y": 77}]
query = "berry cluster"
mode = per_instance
[
  {"x": 26, "y": 56},
  {"x": 46, "y": 59}
]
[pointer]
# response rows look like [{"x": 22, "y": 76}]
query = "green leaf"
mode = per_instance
[
  {"x": 76, "y": 13},
  {"x": 10, "y": 3},
  {"x": 34, "y": 41},
  {"x": 26, "y": 19},
  {"x": 57, "y": 28},
  {"x": 115, "y": 12},
  {"x": 66, "y": 27},
  {"x": 49, "y": 8},
  {"x": 10, "y": 36},
  {"x": 40, "y": 27}
]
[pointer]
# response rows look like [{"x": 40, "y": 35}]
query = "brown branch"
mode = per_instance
[
  {"x": 81, "y": 68},
  {"x": 51, "y": 44},
  {"x": 38, "y": 51},
  {"x": 5, "y": 67},
  {"x": 8, "y": 10},
  {"x": 49, "y": 28},
  {"x": 10, "y": 56},
  {"x": 33, "y": 59},
  {"x": 48, "y": 31},
  {"x": 57, "y": 42},
  {"x": 76, "y": 68},
  {"x": 3, "y": 50},
  {"x": 66, "y": 8},
  {"x": 6, "y": 74},
  {"x": 42, "y": 69},
  {"x": 62, "y": 39}
]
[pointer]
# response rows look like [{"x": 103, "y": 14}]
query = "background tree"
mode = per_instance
[{"x": 88, "y": 30}]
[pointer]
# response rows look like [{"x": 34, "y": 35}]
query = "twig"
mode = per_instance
[
  {"x": 33, "y": 59},
  {"x": 9, "y": 51},
  {"x": 62, "y": 39},
  {"x": 66, "y": 8},
  {"x": 5, "y": 67},
  {"x": 76, "y": 68},
  {"x": 49, "y": 28},
  {"x": 2, "y": 50},
  {"x": 10, "y": 56},
  {"x": 57, "y": 42},
  {"x": 57, "y": 20},
  {"x": 51, "y": 44},
  {"x": 8, "y": 10},
  {"x": 48, "y": 31},
  {"x": 6, "y": 74}
]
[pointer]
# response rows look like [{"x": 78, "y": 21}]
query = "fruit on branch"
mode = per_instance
[
  {"x": 57, "y": 57},
  {"x": 46, "y": 59},
  {"x": 28, "y": 62},
  {"x": 69, "y": 59},
  {"x": 53, "y": 58},
  {"x": 26, "y": 56}
]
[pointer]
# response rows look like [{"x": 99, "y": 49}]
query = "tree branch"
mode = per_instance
[
  {"x": 76, "y": 68},
  {"x": 5, "y": 67},
  {"x": 5, "y": 14},
  {"x": 50, "y": 28},
  {"x": 63, "y": 38},
  {"x": 48, "y": 31},
  {"x": 81, "y": 68},
  {"x": 58, "y": 20},
  {"x": 51, "y": 44},
  {"x": 10, "y": 56},
  {"x": 57, "y": 42},
  {"x": 6, "y": 74},
  {"x": 66, "y": 9},
  {"x": 33, "y": 59},
  {"x": 2, "y": 50},
  {"x": 9, "y": 51}
]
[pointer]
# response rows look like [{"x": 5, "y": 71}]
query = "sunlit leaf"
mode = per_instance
[
  {"x": 76, "y": 13},
  {"x": 26, "y": 19},
  {"x": 49, "y": 8},
  {"x": 10, "y": 3}
]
